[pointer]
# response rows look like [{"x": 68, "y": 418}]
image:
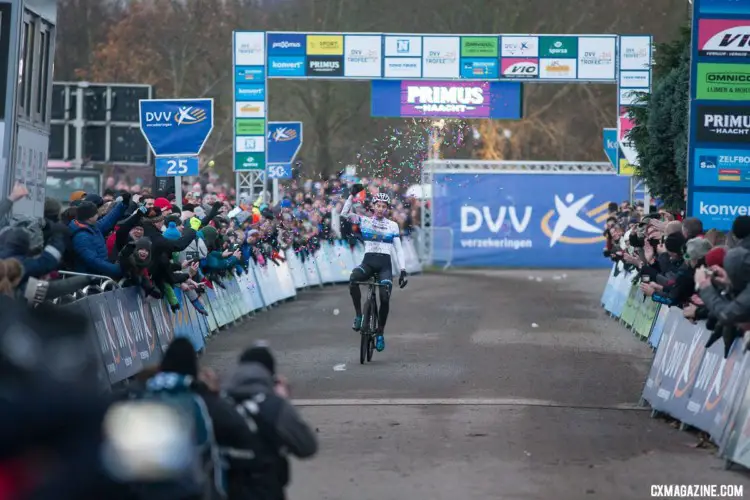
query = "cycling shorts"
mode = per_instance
[{"x": 379, "y": 263}]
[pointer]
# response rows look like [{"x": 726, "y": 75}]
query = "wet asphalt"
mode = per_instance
[{"x": 493, "y": 385}]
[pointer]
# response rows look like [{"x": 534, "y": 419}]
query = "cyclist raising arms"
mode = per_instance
[{"x": 381, "y": 235}]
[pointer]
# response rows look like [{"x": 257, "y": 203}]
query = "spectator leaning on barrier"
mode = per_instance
[{"x": 89, "y": 245}]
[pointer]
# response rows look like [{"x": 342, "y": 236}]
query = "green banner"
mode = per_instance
[
  {"x": 728, "y": 82},
  {"x": 558, "y": 46},
  {"x": 250, "y": 126},
  {"x": 249, "y": 161},
  {"x": 479, "y": 46}
]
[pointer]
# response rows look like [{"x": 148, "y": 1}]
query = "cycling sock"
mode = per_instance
[{"x": 356, "y": 299}]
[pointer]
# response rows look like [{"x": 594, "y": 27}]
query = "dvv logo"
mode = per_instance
[
  {"x": 190, "y": 115},
  {"x": 474, "y": 218},
  {"x": 283, "y": 134},
  {"x": 570, "y": 218}
]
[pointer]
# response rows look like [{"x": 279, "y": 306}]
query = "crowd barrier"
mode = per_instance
[
  {"x": 696, "y": 385},
  {"x": 131, "y": 332}
]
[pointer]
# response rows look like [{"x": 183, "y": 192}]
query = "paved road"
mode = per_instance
[{"x": 493, "y": 386}]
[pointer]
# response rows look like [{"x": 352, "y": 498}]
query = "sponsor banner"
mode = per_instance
[
  {"x": 440, "y": 57},
  {"x": 249, "y": 161},
  {"x": 668, "y": 359},
  {"x": 140, "y": 324},
  {"x": 403, "y": 46},
  {"x": 635, "y": 80},
  {"x": 162, "y": 323},
  {"x": 403, "y": 67},
  {"x": 286, "y": 44},
  {"x": 479, "y": 46},
  {"x": 545, "y": 220},
  {"x": 250, "y": 92},
  {"x": 250, "y": 48},
  {"x": 446, "y": 99},
  {"x": 479, "y": 69},
  {"x": 284, "y": 141},
  {"x": 255, "y": 144},
  {"x": 557, "y": 69},
  {"x": 325, "y": 45},
  {"x": 725, "y": 124},
  {"x": 286, "y": 66},
  {"x": 635, "y": 53},
  {"x": 596, "y": 58},
  {"x": 118, "y": 363},
  {"x": 519, "y": 46},
  {"x": 713, "y": 392},
  {"x": 609, "y": 140},
  {"x": 512, "y": 67},
  {"x": 250, "y": 109},
  {"x": 558, "y": 46},
  {"x": 718, "y": 210},
  {"x": 362, "y": 55},
  {"x": 722, "y": 168},
  {"x": 734, "y": 7},
  {"x": 249, "y": 74},
  {"x": 625, "y": 168},
  {"x": 325, "y": 66},
  {"x": 624, "y": 126},
  {"x": 250, "y": 126},
  {"x": 727, "y": 82},
  {"x": 724, "y": 38}
]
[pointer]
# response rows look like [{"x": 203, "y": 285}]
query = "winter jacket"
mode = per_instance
[
  {"x": 90, "y": 247},
  {"x": 162, "y": 249},
  {"x": 679, "y": 290},
  {"x": 215, "y": 263},
  {"x": 280, "y": 429},
  {"x": 14, "y": 243},
  {"x": 734, "y": 307}
]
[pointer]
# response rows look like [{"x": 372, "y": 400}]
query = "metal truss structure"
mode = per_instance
[{"x": 431, "y": 167}]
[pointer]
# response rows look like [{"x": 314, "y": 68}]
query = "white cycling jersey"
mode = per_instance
[{"x": 380, "y": 235}]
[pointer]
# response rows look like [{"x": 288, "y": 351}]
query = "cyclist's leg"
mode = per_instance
[
  {"x": 385, "y": 272},
  {"x": 363, "y": 272}
]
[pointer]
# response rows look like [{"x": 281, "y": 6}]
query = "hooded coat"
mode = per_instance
[
  {"x": 734, "y": 307},
  {"x": 16, "y": 243},
  {"x": 90, "y": 247},
  {"x": 281, "y": 429}
]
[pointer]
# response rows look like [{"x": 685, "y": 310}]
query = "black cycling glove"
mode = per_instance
[
  {"x": 402, "y": 281},
  {"x": 355, "y": 189}
]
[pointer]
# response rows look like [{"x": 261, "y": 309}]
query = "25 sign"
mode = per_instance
[{"x": 177, "y": 166}]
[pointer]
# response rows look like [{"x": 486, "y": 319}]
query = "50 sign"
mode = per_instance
[
  {"x": 280, "y": 171},
  {"x": 177, "y": 166}
]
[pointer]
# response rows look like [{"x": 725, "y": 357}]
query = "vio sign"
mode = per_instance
[{"x": 474, "y": 218}]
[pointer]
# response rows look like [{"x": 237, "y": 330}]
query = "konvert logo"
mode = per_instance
[
  {"x": 190, "y": 115},
  {"x": 569, "y": 217}
]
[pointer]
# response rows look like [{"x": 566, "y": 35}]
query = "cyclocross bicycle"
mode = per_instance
[{"x": 369, "y": 328}]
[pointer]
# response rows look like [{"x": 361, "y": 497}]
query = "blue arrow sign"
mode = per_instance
[
  {"x": 284, "y": 141},
  {"x": 176, "y": 127},
  {"x": 611, "y": 145}
]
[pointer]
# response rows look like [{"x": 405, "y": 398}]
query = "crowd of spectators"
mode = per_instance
[
  {"x": 56, "y": 423},
  {"x": 678, "y": 262}
]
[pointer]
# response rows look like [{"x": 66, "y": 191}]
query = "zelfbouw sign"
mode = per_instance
[{"x": 447, "y": 99}]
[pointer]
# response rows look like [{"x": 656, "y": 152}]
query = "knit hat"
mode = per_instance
[
  {"x": 260, "y": 354},
  {"x": 143, "y": 244},
  {"x": 180, "y": 358},
  {"x": 163, "y": 204},
  {"x": 52, "y": 209},
  {"x": 173, "y": 218},
  {"x": 715, "y": 257},
  {"x": 95, "y": 199},
  {"x": 199, "y": 212},
  {"x": 195, "y": 223},
  {"x": 697, "y": 248},
  {"x": 675, "y": 242},
  {"x": 210, "y": 235},
  {"x": 77, "y": 196},
  {"x": 86, "y": 210},
  {"x": 737, "y": 266},
  {"x": 741, "y": 227},
  {"x": 172, "y": 233}
]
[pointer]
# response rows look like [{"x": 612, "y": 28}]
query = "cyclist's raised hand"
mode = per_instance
[
  {"x": 402, "y": 281},
  {"x": 356, "y": 189}
]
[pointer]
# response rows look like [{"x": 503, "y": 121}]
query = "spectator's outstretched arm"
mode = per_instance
[
  {"x": 50, "y": 258},
  {"x": 6, "y": 206},
  {"x": 180, "y": 244},
  {"x": 107, "y": 223},
  {"x": 727, "y": 311},
  {"x": 121, "y": 236},
  {"x": 213, "y": 213},
  {"x": 93, "y": 263}
]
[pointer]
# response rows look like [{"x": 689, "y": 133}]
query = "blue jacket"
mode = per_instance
[{"x": 90, "y": 247}]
